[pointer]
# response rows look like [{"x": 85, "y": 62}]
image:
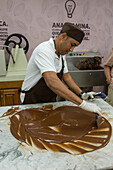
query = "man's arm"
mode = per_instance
[
  {"x": 71, "y": 84},
  {"x": 56, "y": 85},
  {"x": 107, "y": 73}
]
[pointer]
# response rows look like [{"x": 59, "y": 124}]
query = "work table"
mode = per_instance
[{"x": 16, "y": 156}]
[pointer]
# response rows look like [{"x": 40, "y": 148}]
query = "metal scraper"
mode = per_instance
[{"x": 96, "y": 118}]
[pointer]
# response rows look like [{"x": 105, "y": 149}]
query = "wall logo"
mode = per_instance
[
  {"x": 3, "y": 30},
  {"x": 57, "y": 26},
  {"x": 70, "y": 7}
]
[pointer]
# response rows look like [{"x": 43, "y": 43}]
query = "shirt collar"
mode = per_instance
[{"x": 53, "y": 45}]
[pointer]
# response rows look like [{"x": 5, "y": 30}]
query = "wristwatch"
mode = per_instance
[{"x": 80, "y": 95}]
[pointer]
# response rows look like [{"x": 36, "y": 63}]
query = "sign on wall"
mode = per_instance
[
  {"x": 3, "y": 31},
  {"x": 56, "y": 28},
  {"x": 38, "y": 20},
  {"x": 70, "y": 7}
]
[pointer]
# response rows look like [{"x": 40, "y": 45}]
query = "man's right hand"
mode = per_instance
[{"x": 90, "y": 107}]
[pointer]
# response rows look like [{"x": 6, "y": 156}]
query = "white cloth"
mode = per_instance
[{"x": 43, "y": 59}]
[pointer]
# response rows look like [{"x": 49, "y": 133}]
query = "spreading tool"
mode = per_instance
[
  {"x": 99, "y": 95},
  {"x": 96, "y": 117}
]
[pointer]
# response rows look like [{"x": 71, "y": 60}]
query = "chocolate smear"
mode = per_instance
[{"x": 63, "y": 129}]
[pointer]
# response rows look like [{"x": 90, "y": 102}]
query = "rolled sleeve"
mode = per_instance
[{"x": 65, "y": 65}]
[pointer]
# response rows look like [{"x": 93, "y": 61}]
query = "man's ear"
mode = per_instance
[{"x": 63, "y": 35}]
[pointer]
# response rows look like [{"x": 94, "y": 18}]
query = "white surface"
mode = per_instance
[
  {"x": 13, "y": 76},
  {"x": 20, "y": 61},
  {"x": 2, "y": 63},
  {"x": 15, "y": 71},
  {"x": 13, "y": 156}
]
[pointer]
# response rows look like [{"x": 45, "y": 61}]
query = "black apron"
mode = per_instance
[{"x": 40, "y": 93}]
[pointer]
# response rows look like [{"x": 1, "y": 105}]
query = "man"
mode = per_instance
[
  {"x": 47, "y": 67},
  {"x": 108, "y": 70}
]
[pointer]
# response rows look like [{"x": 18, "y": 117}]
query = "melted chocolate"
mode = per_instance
[{"x": 64, "y": 129}]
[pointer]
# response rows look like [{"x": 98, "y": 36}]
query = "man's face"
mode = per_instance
[{"x": 67, "y": 44}]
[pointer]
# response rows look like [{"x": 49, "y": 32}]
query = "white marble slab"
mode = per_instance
[{"x": 14, "y": 156}]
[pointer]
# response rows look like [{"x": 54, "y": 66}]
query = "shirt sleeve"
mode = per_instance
[
  {"x": 109, "y": 59},
  {"x": 44, "y": 61},
  {"x": 65, "y": 65}
]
